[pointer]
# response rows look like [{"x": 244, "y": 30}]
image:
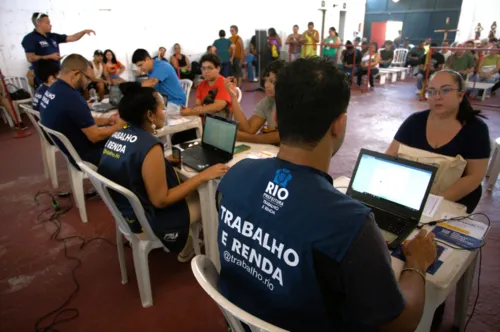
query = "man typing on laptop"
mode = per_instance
[{"x": 296, "y": 252}]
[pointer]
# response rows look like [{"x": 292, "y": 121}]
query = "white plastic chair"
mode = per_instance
[
  {"x": 494, "y": 167},
  {"x": 140, "y": 247},
  {"x": 76, "y": 176},
  {"x": 239, "y": 94},
  {"x": 400, "y": 55},
  {"x": 7, "y": 118},
  {"x": 187, "y": 85},
  {"x": 48, "y": 148},
  {"x": 207, "y": 276},
  {"x": 20, "y": 83}
]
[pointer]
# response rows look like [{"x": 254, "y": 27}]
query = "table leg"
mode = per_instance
[
  {"x": 394, "y": 77},
  {"x": 209, "y": 219},
  {"x": 403, "y": 75},
  {"x": 462, "y": 295}
]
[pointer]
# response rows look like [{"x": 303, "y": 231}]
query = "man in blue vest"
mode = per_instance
[
  {"x": 296, "y": 252},
  {"x": 41, "y": 43}
]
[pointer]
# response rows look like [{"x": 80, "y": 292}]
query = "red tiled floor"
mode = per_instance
[{"x": 35, "y": 278}]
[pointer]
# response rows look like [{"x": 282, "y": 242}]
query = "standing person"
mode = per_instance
[
  {"x": 48, "y": 71},
  {"x": 386, "y": 55},
  {"x": 162, "y": 51},
  {"x": 294, "y": 43},
  {"x": 437, "y": 62},
  {"x": 66, "y": 111},
  {"x": 398, "y": 40},
  {"x": 274, "y": 42},
  {"x": 330, "y": 45},
  {"x": 161, "y": 76},
  {"x": 225, "y": 52},
  {"x": 251, "y": 61},
  {"x": 310, "y": 39},
  {"x": 370, "y": 58},
  {"x": 41, "y": 43},
  {"x": 239, "y": 55},
  {"x": 114, "y": 67},
  {"x": 351, "y": 59},
  {"x": 309, "y": 273},
  {"x": 181, "y": 63},
  {"x": 211, "y": 95},
  {"x": 100, "y": 77}
]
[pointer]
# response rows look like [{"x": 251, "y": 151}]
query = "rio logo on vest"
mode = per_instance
[{"x": 276, "y": 192}]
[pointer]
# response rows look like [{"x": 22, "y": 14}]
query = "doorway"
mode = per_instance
[
  {"x": 340, "y": 31},
  {"x": 392, "y": 29}
]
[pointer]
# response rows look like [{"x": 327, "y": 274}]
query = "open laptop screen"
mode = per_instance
[
  {"x": 392, "y": 181},
  {"x": 219, "y": 133}
]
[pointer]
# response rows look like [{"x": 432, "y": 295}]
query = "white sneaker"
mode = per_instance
[{"x": 417, "y": 92}]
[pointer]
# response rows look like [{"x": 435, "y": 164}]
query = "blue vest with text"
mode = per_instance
[{"x": 273, "y": 216}]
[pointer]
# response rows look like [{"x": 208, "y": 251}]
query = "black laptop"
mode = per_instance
[
  {"x": 395, "y": 189},
  {"x": 217, "y": 144}
]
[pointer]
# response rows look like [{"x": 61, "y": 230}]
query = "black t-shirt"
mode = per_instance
[
  {"x": 471, "y": 142},
  {"x": 386, "y": 55},
  {"x": 436, "y": 60},
  {"x": 349, "y": 57}
]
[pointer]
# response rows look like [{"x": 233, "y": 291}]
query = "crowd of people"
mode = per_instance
[{"x": 326, "y": 287}]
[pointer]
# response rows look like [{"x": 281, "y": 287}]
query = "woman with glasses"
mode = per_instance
[
  {"x": 211, "y": 94},
  {"x": 450, "y": 127}
]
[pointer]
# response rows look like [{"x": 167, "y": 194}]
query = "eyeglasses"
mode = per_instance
[
  {"x": 442, "y": 92},
  {"x": 207, "y": 68}
]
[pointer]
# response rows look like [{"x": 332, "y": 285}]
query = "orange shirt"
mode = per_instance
[
  {"x": 239, "y": 52},
  {"x": 113, "y": 67}
]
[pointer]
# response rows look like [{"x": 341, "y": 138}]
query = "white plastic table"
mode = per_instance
[
  {"x": 481, "y": 86},
  {"x": 457, "y": 271}
]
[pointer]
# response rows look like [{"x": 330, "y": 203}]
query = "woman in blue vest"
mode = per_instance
[{"x": 134, "y": 158}]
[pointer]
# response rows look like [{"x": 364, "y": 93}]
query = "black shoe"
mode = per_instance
[{"x": 438, "y": 316}]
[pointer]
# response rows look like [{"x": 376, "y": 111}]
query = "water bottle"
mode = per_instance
[{"x": 93, "y": 95}]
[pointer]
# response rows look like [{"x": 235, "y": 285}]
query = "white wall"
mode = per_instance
[
  {"x": 124, "y": 26},
  {"x": 474, "y": 12}
]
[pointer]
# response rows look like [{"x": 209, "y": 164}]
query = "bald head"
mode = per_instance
[{"x": 74, "y": 62}]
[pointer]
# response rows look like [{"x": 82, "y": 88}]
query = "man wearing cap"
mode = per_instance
[{"x": 41, "y": 43}]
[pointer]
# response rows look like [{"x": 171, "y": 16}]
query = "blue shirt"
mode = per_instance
[
  {"x": 287, "y": 242},
  {"x": 38, "y": 97},
  {"x": 35, "y": 42},
  {"x": 222, "y": 45},
  {"x": 65, "y": 110},
  {"x": 168, "y": 82}
]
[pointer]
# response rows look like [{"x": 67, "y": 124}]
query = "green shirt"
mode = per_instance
[
  {"x": 491, "y": 60},
  {"x": 463, "y": 63},
  {"x": 327, "y": 50}
]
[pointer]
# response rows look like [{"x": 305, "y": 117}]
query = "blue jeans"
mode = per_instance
[
  {"x": 225, "y": 69},
  {"x": 251, "y": 61}
]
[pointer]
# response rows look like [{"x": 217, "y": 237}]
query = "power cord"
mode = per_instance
[{"x": 57, "y": 212}]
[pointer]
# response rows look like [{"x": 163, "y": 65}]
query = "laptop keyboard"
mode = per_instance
[
  {"x": 390, "y": 222},
  {"x": 204, "y": 157}
]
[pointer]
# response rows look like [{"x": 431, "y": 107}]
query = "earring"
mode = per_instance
[{"x": 153, "y": 126}]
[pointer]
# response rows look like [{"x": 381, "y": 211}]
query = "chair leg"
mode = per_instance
[
  {"x": 121, "y": 255},
  {"x": 494, "y": 172},
  {"x": 50, "y": 157},
  {"x": 46, "y": 171},
  {"x": 195, "y": 236},
  {"x": 494, "y": 156},
  {"x": 76, "y": 177},
  {"x": 142, "y": 273}
]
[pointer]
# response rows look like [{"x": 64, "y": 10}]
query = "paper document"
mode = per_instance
[
  {"x": 432, "y": 205},
  {"x": 177, "y": 121},
  {"x": 466, "y": 233},
  {"x": 261, "y": 155}
]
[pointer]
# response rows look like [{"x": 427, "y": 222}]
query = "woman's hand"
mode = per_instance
[
  {"x": 230, "y": 87},
  {"x": 215, "y": 171}
]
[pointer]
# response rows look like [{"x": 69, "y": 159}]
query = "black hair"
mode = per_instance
[
  {"x": 234, "y": 27},
  {"x": 274, "y": 67},
  {"x": 433, "y": 44},
  {"x": 136, "y": 102},
  {"x": 35, "y": 18},
  {"x": 159, "y": 48},
  {"x": 140, "y": 54},
  {"x": 113, "y": 57},
  {"x": 296, "y": 26},
  {"x": 421, "y": 42},
  {"x": 222, "y": 33},
  {"x": 310, "y": 23},
  {"x": 358, "y": 39},
  {"x": 334, "y": 30},
  {"x": 47, "y": 68},
  {"x": 365, "y": 43},
  {"x": 388, "y": 42},
  {"x": 465, "y": 111},
  {"x": 209, "y": 47},
  {"x": 272, "y": 32},
  {"x": 376, "y": 46},
  {"x": 209, "y": 57},
  {"x": 304, "y": 91}
]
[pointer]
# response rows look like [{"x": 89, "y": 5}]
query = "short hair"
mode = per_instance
[
  {"x": 388, "y": 42},
  {"x": 136, "y": 102},
  {"x": 37, "y": 17},
  {"x": 74, "y": 62},
  {"x": 214, "y": 59},
  {"x": 234, "y": 27},
  {"x": 434, "y": 44},
  {"x": 165, "y": 48},
  {"x": 305, "y": 89},
  {"x": 365, "y": 43},
  {"x": 209, "y": 47},
  {"x": 310, "y": 23},
  {"x": 47, "y": 68},
  {"x": 140, "y": 54},
  {"x": 358, "y": 39},
  {"x": 222, "y": 33},
  {"x": 421, "y": 42},
  {"x": 296, "y": 26},
  {"x": 274, "y": 67}
]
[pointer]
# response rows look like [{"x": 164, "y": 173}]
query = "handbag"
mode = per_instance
[{"x": 19, "y": 94}]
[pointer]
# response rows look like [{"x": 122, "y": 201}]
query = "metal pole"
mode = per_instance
[
  {"x": 20, "y": 133},
  {"x": 323, "y": 10}
]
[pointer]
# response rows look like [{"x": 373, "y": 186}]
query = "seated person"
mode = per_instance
[
  {"x": 211, "y": 94},
  {"x": 161, "y": 76},
  {"x": 461, "y": 62},
  {"x": 445, "y": 52},
  {"x": 264, "y": 111},
  {"x": 211, "y": 49},
  {"x": 489, "y": 67},
  {"x": 100, "y": 76},
  {"x": 371, "y": 58},
  {"x": 30, "y": 75},
  {"x": 351, "y": 58},
  {"x": 5, "y": 103},
  {"x": 169, "y": 205},
  {"x": 181, "y": 63},
  {"x": 161, "y": 54},
  {"x": 310, "y": 271},
  {"x": 470, "y": 45},
  {"x": 437, "y": 62},
  {"x": 114, "y": 68},
  {"x": 414, "y": 56},
  {"x": 451, "y": 127},
  {"x": 47, "y": 73},
  {"x": 386, "y": 55},
  {"x": 64, "y": 109}
]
